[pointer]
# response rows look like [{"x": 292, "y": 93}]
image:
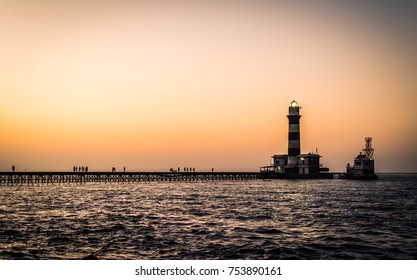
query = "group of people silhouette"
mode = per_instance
[
  {"x": 114, "y": 169},
  {"x": 85, "y": 169},
  {"x": 188, "y": 169},
  {"x": 80, "y": 169}
]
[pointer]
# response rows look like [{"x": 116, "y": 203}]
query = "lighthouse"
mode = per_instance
[
  {"x": 294, "y": 164},
  {"x": 293, "y": 133}
]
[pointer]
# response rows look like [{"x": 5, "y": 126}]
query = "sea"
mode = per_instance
[{"x": 274, "y": 219}]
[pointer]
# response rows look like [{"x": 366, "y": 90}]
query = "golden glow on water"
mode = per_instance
[
  {"x": 276, "y": 219},
  {"x": 209, "y": 84}
]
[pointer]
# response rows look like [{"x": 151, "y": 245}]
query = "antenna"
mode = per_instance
[{"x": 369, "y": 151}]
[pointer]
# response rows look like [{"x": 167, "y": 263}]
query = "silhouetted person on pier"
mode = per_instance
[
  {"x": 193, "y": 169},
  {"x": 124, "y": 169},
  {"x": 13, "y": 168},
  {"x": 113, "y": 169},
  {"x": 178, "y": 169},
  {"x": 184, "y": 169},
  {"x": 212, "y": 169},
  {"x": 86, "y": 169},
  {"x": 74, "y": 169},
  {"x": 79, "y": 168}
]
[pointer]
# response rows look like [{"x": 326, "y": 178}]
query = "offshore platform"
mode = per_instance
[{"x": 363, "y": 166}]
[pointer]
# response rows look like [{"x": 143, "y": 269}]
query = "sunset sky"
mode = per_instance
[{"x": 160, "y": 84}]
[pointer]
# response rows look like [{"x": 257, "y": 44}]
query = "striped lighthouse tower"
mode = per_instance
[{"x": 293, "y": 133}]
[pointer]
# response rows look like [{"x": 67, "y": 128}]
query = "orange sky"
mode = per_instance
[{"x": 208, "y": 84}]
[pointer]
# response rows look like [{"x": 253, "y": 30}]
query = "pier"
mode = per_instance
[{"x": 31, "y": 178}]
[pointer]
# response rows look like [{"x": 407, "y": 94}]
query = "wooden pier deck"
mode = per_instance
[{"x": 30, "y": 178}]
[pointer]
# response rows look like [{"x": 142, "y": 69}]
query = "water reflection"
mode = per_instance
[{"x": 333, "y": 219}]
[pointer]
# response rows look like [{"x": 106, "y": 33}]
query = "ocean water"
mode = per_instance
[{"x": 280, "y": 219}]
